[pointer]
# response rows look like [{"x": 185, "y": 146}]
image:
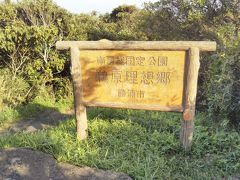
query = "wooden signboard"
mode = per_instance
[{"x": 158, "y": 75}]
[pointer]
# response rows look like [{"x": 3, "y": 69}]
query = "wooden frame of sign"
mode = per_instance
[{"x": 150, "y": 75}]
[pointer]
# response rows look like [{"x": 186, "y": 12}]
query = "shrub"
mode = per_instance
[{"x": 13, "y": 90}]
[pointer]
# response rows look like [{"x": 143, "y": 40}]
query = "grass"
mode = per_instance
[
  {"x": 143, "y": 144},
  {"x": 12, "y": 115}
]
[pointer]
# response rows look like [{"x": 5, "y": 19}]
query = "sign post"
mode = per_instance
[{"x": 150, "y": 75}]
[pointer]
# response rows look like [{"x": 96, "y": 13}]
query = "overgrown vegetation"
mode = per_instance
[
  {"x": 143, "y": 144},
  {"x": 29, "y": 30}
]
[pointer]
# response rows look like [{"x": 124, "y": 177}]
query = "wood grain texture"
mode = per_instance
[
  {"x": 80, "y": 109},
  {"x": 82, "y": 71},
  {"x": 133, "y": 79},
  {"x": 191, "y": 84},
  {"x": 186, "y": 135},
  {"x": 143, "y": 107},
  {"x": 138, "y": 45},
  {"x": 190, "y": 98}
]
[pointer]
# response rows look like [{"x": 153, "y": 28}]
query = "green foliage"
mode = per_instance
[
  {"x": 63, "y": 88},
  {"x": 204, "y": 20},
  {"x": 12, "y": 90},
  {"x": 41, "y": 103},
  {"x": 125, "y": 28},
  {"x": 119, "y": 12},
  {"x": 143, "y": 144},
  {"x": 28, "y": 33},
  {"x": 29, "y": 30},
  {"x": 223, "y": 82}
]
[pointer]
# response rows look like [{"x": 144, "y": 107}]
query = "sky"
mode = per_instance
[{"x": 101, "y": 6}]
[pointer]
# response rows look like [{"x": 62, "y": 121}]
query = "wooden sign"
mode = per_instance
[
  {"x": 133, "y": 79},
  {"x": 137, "y": 75}
]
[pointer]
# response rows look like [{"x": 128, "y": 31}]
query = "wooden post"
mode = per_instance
[
  {"x": 193, "y": 65},
  {"x": 80, "y": 109},
  {"x": 190, "y": 78}
]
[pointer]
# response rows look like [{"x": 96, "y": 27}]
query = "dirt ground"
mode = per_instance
[
  {"x": 43, "y": 120},
  {"x": 25, "y": 164}
]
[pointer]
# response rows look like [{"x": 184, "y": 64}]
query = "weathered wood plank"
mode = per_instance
[
  {"x": 142, "y": 107},
  {"x": 80, "y": 109},
  {"x": 190, "y": 98},
  {"x": 186, "y": 134},
  {"x": 138, "y": 45},
  {"x": 82, "y": 78},
  {"x": 147, "y": 79}
]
